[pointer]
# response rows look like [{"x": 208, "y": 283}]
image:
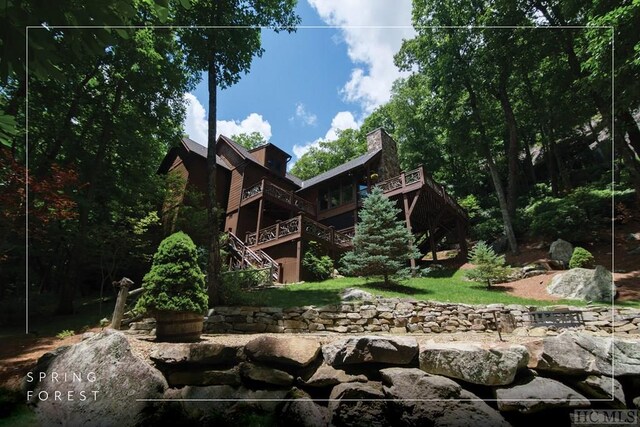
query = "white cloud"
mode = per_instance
[
  {"x": 195, "y": 122},
  {"x": 341, "y": 121},
  {"x": 196, "y": 126},
  {"x": 371, "y": 49},
  {"x": 305, "y": 116}
]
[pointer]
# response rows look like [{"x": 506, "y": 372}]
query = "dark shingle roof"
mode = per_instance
[
  {"x": 345, "y": 167},
  {"x": 201, "y": 151},
  {"x": 297, "y": 181}
]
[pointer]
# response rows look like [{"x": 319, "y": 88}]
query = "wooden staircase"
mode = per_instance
[{"x": 242, "y": 257}]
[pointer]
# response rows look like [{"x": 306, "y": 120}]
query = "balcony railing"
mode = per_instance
[
  {"x": 298, "y": 226},
  {"x": 268, "y": 188},
  {"x": 417, "y": 175}
]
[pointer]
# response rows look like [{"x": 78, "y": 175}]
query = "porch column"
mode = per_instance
[
  {"x": 407, "y": 218},
  {"x": 259, "y": 221}
]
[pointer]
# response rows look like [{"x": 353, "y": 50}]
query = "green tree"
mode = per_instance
[
  {"x": 383, "y": 246},
  {"x": 224, "y": 53},
  {"x": 488, "y": 266},
  {"x": 250, "y": 140}
]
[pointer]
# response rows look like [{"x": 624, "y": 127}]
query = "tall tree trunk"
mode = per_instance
[
  {"x": 631, "y": 127},
  {"x": 512, "y": 151},
  {"x": 213, "y": 265},
  {"x": 531, "y": 172}
]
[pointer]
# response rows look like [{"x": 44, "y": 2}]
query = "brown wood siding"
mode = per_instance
[
  {"x": 285, "y": 255},
  {"x": 260, "y": 155},
  {"x": 235, "y": 189},
  {"x": 229, "y": 154}
]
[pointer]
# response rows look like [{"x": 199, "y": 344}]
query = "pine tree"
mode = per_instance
[
  {"x": 383, "y": 245},
  {"x": 489, "y": 266}
]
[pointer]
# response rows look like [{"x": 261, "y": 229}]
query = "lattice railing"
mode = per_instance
[
  {"x": 299, "y": 224},
  {"x": 272, "y": 190},
  {"x": 243, "y": 257}
]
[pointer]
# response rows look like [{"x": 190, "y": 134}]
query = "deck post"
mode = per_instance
[
  {"x": 407, "y": 218},
  {"x": 432, "y": 240},
  {"x": 259, "y": 220}
]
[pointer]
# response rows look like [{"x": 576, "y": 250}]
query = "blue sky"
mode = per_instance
[{"x": 311, "y": 83}]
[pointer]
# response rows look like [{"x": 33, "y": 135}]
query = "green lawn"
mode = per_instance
[{"x": 447, "y": 286}]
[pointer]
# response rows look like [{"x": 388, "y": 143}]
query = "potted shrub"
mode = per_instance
[{"x": 174, "y": 290}]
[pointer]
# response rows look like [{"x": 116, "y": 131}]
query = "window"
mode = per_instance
[{"x": 336, "y": 195}]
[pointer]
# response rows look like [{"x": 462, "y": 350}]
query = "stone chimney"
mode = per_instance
[{"x": 389, "y": 164}]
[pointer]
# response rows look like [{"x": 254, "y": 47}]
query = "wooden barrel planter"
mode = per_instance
[{"x": 178, "y": 326}]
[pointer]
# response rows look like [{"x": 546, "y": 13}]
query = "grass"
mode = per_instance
[{"x": 443, "y": 286}]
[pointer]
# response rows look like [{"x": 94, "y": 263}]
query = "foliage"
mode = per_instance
[
  {"x": 383, "y": 246},
  {"x": 581, "y": 258},
  {"x": 319, "y": 266},
  {"x": 250, "y": 140},
  {"x": 66, "y": 333},
  {"x": 236, "y": 282},
  {"x": 489, "y": 267},
  {"x": 175, "y": 282}
]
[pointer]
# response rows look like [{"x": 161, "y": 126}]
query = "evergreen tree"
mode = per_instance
[
  {"x": 489, "y": 266},
  {"x": 382, "y": 244}
]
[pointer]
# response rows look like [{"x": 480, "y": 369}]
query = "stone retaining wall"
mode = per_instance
[{"x": 399, "y": 316}]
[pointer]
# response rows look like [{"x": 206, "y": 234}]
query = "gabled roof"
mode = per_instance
[
  {"x": 345, "y": 167},
  {"x": 201, "y": 151}
]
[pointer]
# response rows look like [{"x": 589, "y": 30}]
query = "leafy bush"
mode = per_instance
[
  {"x": 65, "y": 334},
  {"x": 175, "y": 282},
  {"x": 234, "y": 283},
  {"x": 318, "y": 266},
  {"x": 581, "y": 258},
  {"x": 489, "y": 267}
]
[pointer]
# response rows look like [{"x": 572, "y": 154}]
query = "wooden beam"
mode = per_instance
[
  {"x": 259, "y": 220},
  {"x": 407, "y": 218}
]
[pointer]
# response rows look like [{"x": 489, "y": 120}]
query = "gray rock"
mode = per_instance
[
  {"x": 197, "y": 353},
  {"x": 421, "y": 399},
  {"x": 352, "y": 294},
  {"x": 302, "y": 411},
  {"x": 370, "y": 349},
  {"x": 223, "y": 399},
  {"x": 204, "y": 377},
  {"x": 357, "y": 404},
  {"x": 285, "y": 350},
  {"x": 601, "y": 387},
  {"x": 536, "y": 394},
  {"x": 573, "y": 353},
  {"x": 636, "y": 402},
  {"x": 583, "y": 284},
  {"x": 327, "y": 375},
  {"x": 88, "y": 335},
  {"x": 495, "y": 365},
  {"x": 561, "y": 250},
  {"x": 102, "y": 377},
  {"x": 264, "y": 374}
]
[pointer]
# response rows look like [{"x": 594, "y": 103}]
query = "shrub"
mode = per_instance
[
  {"x": 234, "y": 283},
  {"x": 65, "y": 334},
  {"x": 175, "y": 282},
  {"x": 489, "y": 267},
  {"x": 581, "y": 258},
  {"x": 318, "y": 266}
]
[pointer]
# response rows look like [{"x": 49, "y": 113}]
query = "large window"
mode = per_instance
[{"x": 336, "y": 195}]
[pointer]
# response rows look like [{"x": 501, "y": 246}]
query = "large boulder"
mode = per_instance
[
  {"x": 353, "y": 294},
  {"x": 583, "y": 284},
  {"x": 370, "y": 349},
  {"x": 561, "y": 250},
  {"x": 495, "y": 365},
  {"x": 204, "y": 353},
  {"x": 420, "y": 399},
  {"x": 300, "y": 410},
  {"x": 605, "y": 388},
  {"x": 265, "y": 375},
  {"x": 573, "y": 353},
  {"x": 284, "y": 350},
  {"x": 327, "y": 375},
  {"x": 97, "y": 382},
  {"x": 358, "y": 404},
  {"x": 535, "y": 394}
]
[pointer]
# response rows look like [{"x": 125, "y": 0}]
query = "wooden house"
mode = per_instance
[{"x": 271, "y": 215}]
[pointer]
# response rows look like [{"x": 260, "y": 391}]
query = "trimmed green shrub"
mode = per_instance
[
  {"x": 175, "y": 282},
  {"x": 489, "y": 267},
  {"x": 581, "y": 258},
  {"x": 318, "y": 266}
]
